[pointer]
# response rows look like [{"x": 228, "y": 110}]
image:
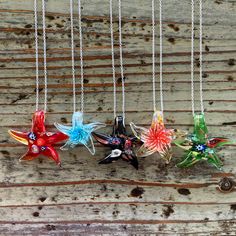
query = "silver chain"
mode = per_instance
[
  {"x": 121, "y": 62},
  {"x": 113, "y": 60},
  {"x": 44, "y": 56},
  {"x": 200, "y": 58},
  {"x": 81, "y": 57},
  {"x": 153, "y": 56},
  {"x": 36, "y": 55},
  {"x": 192, "y": 57},
  {"x": 161, "y": 83},
  {"x": 72, "y": 55},
  {"x": 154, "y": 59}
]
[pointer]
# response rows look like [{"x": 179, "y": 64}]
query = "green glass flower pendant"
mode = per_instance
[{"x": 200, "y": 147}]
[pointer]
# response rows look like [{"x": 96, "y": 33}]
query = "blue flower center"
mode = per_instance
[
  {"x": 114, "y": 141},
  {"x": 199, "y": 147},
  {"x": 79, "y": 135},
  {"x": 32, "y": 136}
]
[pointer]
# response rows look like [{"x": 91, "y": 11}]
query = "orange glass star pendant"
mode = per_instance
[
  {"x": 156, "y": 139},
  {"x": 39, "y": 141}
]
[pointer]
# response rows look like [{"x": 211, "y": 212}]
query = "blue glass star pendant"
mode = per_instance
[{"x": 79, "y": 133}]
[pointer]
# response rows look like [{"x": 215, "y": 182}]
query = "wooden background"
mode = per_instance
[{"x": 38, "y": 198}]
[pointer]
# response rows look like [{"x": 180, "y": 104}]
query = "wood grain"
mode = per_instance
[{"x": 84, "y": 198}]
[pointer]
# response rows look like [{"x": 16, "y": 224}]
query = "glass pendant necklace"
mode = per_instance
[
  {"x": 120, "y": 143},
  {"x": 38, "y": 140},
  {"x": 157, "y": 138},
  {"x": 79, "y": 133},
  {"x": 199, "y": 145}
]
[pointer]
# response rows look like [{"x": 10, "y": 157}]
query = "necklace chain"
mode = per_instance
[
  {"x": 153, "y": 56},
  {"x": 192, "y": 57},
  {"x": 72, "y": 55},
  {"x": 44, "y": 56},
  {"x": 200, "y": 58},
  {"x": 81, "y": 58},
  {"x": 161, "y": 54},
  {"x": 113, "y": 60},
  {"x": 36, "y": 55},
  {"x": 121, "y": 62}
]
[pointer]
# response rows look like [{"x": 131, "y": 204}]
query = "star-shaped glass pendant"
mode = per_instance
[
  {"x": 199, "y": 146},
  {"x": 157, "y": 138},
  {"x": 79, "y": 133},
  {"x": 120, "y": 143},
  {"x": 39, "y": 141}
]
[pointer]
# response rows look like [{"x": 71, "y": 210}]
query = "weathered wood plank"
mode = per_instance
[
  {"x": 120, "y": 229},
  {"x": 101, "y": 193},
  {"x": 146, "y": 213},
  {"x": 77, "y": 166},
  {"x": 140, "y": 10},
  {"x": 38, "y": 198}
]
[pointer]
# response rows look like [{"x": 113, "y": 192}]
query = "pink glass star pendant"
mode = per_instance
[
  {"x": 155, "y": 139},
  {"x": 39, "y": 141}
]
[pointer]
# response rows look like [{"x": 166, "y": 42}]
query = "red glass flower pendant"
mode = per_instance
[
  {"x": 39, "y": 141},
  {"x": 156, "y": 139}
]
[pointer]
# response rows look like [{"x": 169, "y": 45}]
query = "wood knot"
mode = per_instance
[{"x": 226, "y": 185}]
